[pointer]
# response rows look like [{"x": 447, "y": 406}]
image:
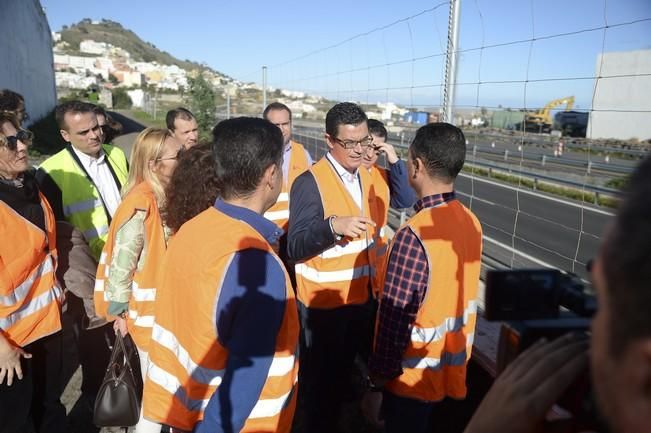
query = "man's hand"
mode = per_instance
[
  {"x": 351, "y": 226},
  {"x": 120, "y": 324},
  {"x": 525, "y": 391},
  {"x": 10, "y": 361},
  {"x": 386, "y": 148}
]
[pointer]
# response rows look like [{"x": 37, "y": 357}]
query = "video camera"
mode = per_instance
[
  {"x": 535, "y": 303},
  {"x": 538, "y": 303}
]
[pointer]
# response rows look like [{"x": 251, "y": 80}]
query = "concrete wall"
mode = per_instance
[
  {"x": 629, "y": 96},
  {"x": 26, "y": 53}
]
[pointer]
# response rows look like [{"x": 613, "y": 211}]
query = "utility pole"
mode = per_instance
[
  {"x": 451, "y": 61},
  {"x": 264, "y": 87},
  {"x": 228, "y": 103},
  {"x": 155, "y": 102}
]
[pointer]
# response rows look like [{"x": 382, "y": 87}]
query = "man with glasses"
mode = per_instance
[
  {"x": 330, "y": 231},
  {"x": 82, "y": 183}
]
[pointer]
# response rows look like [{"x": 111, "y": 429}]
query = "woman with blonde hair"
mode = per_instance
[{"x": 130, "y": 263}]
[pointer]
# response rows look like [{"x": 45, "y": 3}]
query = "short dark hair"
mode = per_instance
[
  {"x": 112, "y": 128},
  {"x": 344, "y": 113},
  {"x": 376, "y": 127},
  {"x": 244, "y": 147},
  {"x": 177, "y": 113},
  {"x": 10, "y": 100},
  {"x": 442, "y": 148},
  {"x": 276, "y": 106},
  {"x": 626, "y": 260},
  {"x": 193, "y": 186},
  {"x": 100, "y": 111},
  {"x": 71, "y": 107}
]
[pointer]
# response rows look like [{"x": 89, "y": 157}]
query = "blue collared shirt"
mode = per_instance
[{"x": 251, "y": 307}]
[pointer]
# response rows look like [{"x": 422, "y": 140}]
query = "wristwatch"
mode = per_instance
[{"x": 338, "y": 237}]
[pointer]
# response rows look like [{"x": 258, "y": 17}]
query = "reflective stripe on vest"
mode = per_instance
[
  {"x": 332, "y": 276},
  {"x": 21, "y": 291},
  {"x": 82, "y": 206},
  {"x": 40, "y": 302},
  {"x": 340, "y": 274},
  {"x": 450, "y": 324},
  {"x": 447, "y": 358}
]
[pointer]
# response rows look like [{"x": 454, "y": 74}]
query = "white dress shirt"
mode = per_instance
[
  {"x": 350, "y": 180},
  {"x": 100, "y": 173}
]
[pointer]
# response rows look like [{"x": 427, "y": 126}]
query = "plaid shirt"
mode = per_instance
[{"x": 404, "y": 290}]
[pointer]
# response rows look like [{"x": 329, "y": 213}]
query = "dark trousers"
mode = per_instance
[
  {"x": 402, "y": 414},
  {"x": 32, "y": 404},
  {"x": 330, "y": 340}
]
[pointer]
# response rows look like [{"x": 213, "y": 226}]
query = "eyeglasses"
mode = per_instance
[
  {"x": 22, "y": 135},
  {"x": 170, "y": 158},
  {"x": 366, "y": 143}
]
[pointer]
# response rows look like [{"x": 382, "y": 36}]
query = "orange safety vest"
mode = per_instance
[
  {"x": 298, "y": 163},
  {"x": 380, "y": 215},
  {"x": 434, "y": 362},
  {"x": 341, "y": 274},
  {"x": 30, "y": 298},
  {"x": 186, "y": 359},
  {"x": 145, "y": 281}
]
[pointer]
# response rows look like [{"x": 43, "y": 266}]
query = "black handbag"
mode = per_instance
[{"x": 118, "y": 399}]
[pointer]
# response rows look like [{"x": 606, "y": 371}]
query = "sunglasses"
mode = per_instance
[{"x": 22, "y": 135}]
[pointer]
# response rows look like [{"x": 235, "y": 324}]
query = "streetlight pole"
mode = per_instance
[
  {"x": 264, "y": 87},
  {"x": 451, "y": 60}
]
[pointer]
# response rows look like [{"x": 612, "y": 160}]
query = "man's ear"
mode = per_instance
[
  {"x": 329, "y": 141},
  {"x": 65, "y": 135},
  {"x": 417, "y": 167},
  {"x": 269, "y": 176}
]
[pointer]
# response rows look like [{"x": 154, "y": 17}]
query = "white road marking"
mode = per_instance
[
  {"x": 476, "y": 198},
  {"x": 520, "y": 253},
  {"x": 535, "y": 194}
]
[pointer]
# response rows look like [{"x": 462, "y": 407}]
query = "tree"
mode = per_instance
[
  {"x": 121, "y": 98},
  {"x": 201, "y": 99}
]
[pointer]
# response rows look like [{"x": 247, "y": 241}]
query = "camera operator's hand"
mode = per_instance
[{"x": 525, "y": 391}]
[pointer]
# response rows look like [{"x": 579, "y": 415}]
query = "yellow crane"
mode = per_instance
[{"x": 541, "y": 120}]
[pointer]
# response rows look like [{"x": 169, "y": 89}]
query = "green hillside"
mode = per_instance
[{"x": 113, "y": 33}]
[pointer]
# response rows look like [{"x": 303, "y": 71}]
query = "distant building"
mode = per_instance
[
  {"x": 72, "y": 80},
  {"x": 26, "y": 50},
  {"x": 129, "y": 78},
  {"x": 621, "y": 105},
  {"x": 91, "y": 47}
]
